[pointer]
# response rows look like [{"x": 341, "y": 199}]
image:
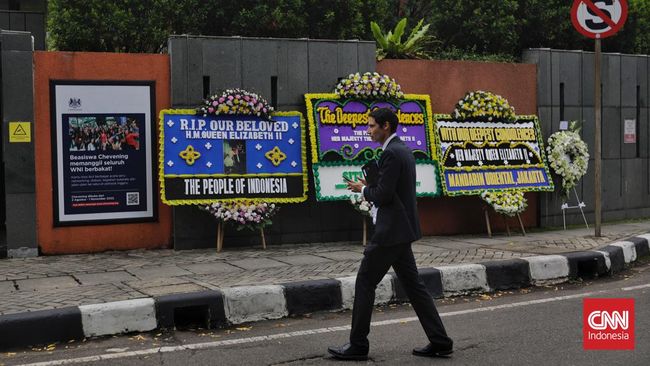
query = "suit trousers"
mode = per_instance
[{"x": 374, "y": 266}]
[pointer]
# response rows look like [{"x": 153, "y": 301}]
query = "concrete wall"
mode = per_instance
[
  {"x": 565, "y": 89},
  {"x": 93, "y": 66},
  {"x": 447, "y": 82},
  {"x": 281, "y": 70},
  {"x": 18, "y": 157}
]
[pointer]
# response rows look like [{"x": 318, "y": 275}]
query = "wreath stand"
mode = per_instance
[
  {"x": 221, "y": 230},
  {"x": 580, "y": 204},
  {"x": 505, "y": 221}
]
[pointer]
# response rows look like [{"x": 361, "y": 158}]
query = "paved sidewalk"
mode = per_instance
[
  {"x": 57, "y": 298},
  {"x": 50, "y": 282}
]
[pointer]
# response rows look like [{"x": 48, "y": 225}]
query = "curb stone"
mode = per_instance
[
  {"x": 464, "y": 278},
  {"x": 506, "y": 274},
  {"x": 26, "y": 329},
  {"x": 548, "y": 268},
  {"x": 236, "y": 305},
  {"x": 118, "y": 317},
  {"x": 629, "y": 250},
  {"x": 254, "y": 303}
]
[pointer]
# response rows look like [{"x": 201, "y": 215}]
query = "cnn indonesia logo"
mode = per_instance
[{"x": 608, "y": 324}]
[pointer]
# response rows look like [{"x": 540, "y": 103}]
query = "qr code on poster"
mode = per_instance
[{"x": 132, "y": 198}]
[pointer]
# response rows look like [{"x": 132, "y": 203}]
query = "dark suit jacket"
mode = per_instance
[{"x": 394, "y": 196}]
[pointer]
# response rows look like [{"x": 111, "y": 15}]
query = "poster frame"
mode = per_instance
[{"x": 149, "y": 215}]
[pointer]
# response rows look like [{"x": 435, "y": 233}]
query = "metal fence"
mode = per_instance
[
  {"x": 565, "y": 91},
  {"x": 28, "y": 21}
]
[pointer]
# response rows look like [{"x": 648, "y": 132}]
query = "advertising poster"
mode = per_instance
[
  {"x": 341, "y": 145},
  {"x": 102, "y": 149},
  {"x": 232, "y": 157},
  {"x": 476, "y": 156}
]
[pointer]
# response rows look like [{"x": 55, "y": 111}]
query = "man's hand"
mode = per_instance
[{"x": 356, "y": 186}]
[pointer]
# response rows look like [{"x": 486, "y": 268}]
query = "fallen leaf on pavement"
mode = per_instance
[
  {"x": 137, "y": 338},
  {"x": 244, "y": 328}
]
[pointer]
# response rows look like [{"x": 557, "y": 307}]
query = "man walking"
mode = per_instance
[{"x": 396, "y": 227}]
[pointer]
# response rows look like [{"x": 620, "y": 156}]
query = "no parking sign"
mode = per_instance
[{"x": 598, "y": 18}]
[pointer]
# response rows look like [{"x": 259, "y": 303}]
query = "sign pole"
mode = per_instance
[
  {"x": 598, "y": 19},
  {"x": 597, "y": 145}
]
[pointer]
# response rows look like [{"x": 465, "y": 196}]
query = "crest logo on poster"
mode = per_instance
[{"x": 74, "y": 103}]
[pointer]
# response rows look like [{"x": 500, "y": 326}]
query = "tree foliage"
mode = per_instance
[
  {"x": 120, "y": 25},
  {"x": 468, "y": 29},
  {"x": 640, "y": 14},
  {"x": 144, "y": 25},
  {"x": 547, "y": 24},
  {"x": 478, "y": 25},
  {"x": 390, "y": 45}
]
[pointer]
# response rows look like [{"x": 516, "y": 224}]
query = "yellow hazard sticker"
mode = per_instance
[{"x": 20, "y": 132}]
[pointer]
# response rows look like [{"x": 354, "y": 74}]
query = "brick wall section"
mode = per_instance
[{"x": 92, "y": 66}]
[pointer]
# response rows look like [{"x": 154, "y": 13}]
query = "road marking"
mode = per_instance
[
  {"x": 207, "y": 345},
  {"x": 636, "y": 287}
]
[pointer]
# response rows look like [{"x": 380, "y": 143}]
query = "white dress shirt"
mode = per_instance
[{"x": 375, "y": 209}]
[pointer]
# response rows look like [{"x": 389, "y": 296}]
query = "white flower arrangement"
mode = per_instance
[
  {"x": 483, "y": 105},
  {"x": 369, "y": 86},
  {"x": 506, "y": 203},
  {"x": 360, "y": 204},
  {"x": 236, "y": 101},
  {"x": 569, "y": 158},
  {"x": 243, "y": 214}
]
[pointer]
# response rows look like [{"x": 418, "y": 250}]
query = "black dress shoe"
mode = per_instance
[
  {"x": 433, "y": 351},
  {"x": 348, "y": 352}
]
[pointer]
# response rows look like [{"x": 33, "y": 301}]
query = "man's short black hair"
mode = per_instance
[{"x": 383, "y": 115}]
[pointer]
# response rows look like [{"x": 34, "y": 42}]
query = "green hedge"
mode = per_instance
[{"x": 468, "y": 29}]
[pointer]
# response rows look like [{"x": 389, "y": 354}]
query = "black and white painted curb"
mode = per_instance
[{"x": 218, "y": 308}]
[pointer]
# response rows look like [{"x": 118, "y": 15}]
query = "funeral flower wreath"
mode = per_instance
[
  {"x": 568, "y": 156},
  {"x": 369, "y": 86},
  {"x": 484, "y": 106},
  {"x": 236, "y": 101},
  {"x": 506, "y": 203},
  {"x": 243, "y": 214}
]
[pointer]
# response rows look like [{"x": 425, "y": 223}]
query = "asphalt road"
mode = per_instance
[{"x": 541, "y": 326}]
